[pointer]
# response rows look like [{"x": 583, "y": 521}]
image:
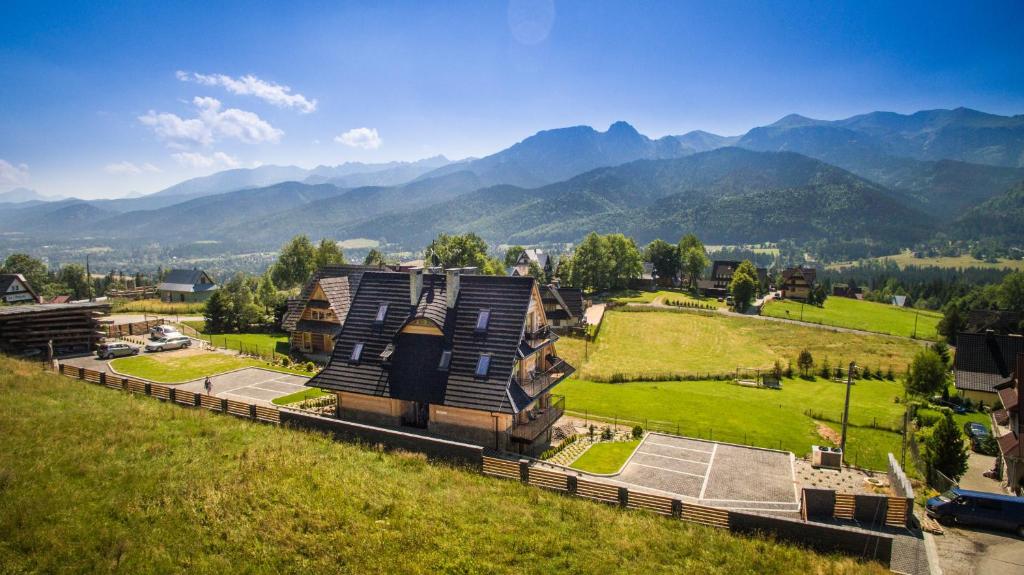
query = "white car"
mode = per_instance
[
  {"x": 168, "y": 343},
  {"x": 161, "y": 331}
]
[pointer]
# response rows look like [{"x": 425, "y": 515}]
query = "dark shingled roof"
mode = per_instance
[
  {"x": 412, "y": 374},
  {"x": 810, "y": 274},
  {"x": 985, "y": 360},
  {"x": 296, "y": 305},
  {"x": 7, "y": 279},
  {"x": 569, "y": 301},
  {"x": 722, "y": 270}
]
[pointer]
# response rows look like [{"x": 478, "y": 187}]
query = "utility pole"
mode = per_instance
[
  {"x": 915, "y": 323},
  {"x": 846, "y": 407},
  {"x": 88, "y": 279},
  {"x": 802, "y": 311}
]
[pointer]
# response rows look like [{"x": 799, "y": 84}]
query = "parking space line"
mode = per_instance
[
  {"x": 666, "y": 469},
  {"x": 676, "y": 458},
  {"x": 686, "y": 448},
  {"x": 707, "y": 474}
]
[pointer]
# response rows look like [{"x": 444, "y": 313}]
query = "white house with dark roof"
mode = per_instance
[
  {"x": 14, "y": 289},
  {"x": 542, "y": 260},
  {"x": 463, "y": 356},
  {"x": 186, "y": 285}
]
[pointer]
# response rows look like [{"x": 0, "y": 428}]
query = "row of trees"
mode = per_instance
[
  {"x": 602, "y": 262},
  {"x": 299, "y": 259},
  {"x": 243, "y": 304},
  {"x": 70, "y": 279},
  {"x": 687, "y": 258}
]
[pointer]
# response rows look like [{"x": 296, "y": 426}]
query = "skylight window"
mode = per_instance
[
  {"x": 446, "y": 360},
  {"x": 482, "y": 319},
  {"x": 385, "y": 356},
  {"x": 483, "y": 364},
  {"x": 357, "y": 352},
  {"x": 382, "y": 312}
]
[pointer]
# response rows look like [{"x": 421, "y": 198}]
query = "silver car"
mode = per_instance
[
  {"x": 169, "y": 343},
  {"x": 112, "y": 350}
]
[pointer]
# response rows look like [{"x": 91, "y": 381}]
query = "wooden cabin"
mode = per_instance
[
  {"x": 717, "y": 284},
  {"x": 564, "y": 307},
  {"x": 14, "y": 289},
  {"x": 798, "y": 282},
  {"x": 463, "y": 356},
  {"x": 181, "y": 285}
]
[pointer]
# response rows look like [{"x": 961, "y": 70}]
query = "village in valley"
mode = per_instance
[{"x": 388, "y": 303}]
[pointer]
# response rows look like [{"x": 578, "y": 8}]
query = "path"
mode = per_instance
[
  {"x": 121, "y": 318},
  {"x": 595, "y": 313},
  {"x": 974, "y": 479}
]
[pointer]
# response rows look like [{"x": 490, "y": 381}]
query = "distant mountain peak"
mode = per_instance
[
  {"x": 794, "y": 120},
  {"x": 622, "y": 128}
]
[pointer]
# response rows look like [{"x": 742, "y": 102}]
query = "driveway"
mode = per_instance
[
  {"x": 977, "y": 552},
  {"x": 975, "y": 480},
  {"x": 251, "y": 385}
]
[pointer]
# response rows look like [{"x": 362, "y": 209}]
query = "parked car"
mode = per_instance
[
  {"x": 955, "y": 407},
  {"x": 977, "y": 433},
  {"x": 991, "y": 510},
  {"x": 159, "y": 331},
  {"x": 169, "y": 343},
  {"x": 112, "y": 350}
]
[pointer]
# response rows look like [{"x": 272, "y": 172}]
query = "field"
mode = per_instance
[
  {"x": 965, "y": 261},
  {"x": 158, "y": 307},
  {"x": 605, "y": 457},
  {"x": 179, "y": 367},
  {"x": 671, "y": 345},
  {"x": 663, "y": 295},
  {"x": 114, "y": 482},
  {"x": 862, "y": 315},
  {"x": 767, "y": 418},
  {"x": 264, "y": 344}
]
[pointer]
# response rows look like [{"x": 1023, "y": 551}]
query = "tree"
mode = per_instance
[
  {"x": 743, "y": 285},
  {"x": 664, "y": 257},
  {"x": 1011, "y": 292},
  {"x": 33, "y": 269},
  {"x": 374, "y": 258},
  {"x": 328, "y": 252},
  {"x": 945, "y": 450},
  {"x": 218, "y": 311},
  {"x": 246, "y": 313},
  {"x": 296, "y": 263},
  {"x": 951, "y": 323},
  {"x": 535, "y": 271},
  {"x": 626, "y": 261},
  {"x": 459, "y": 251},
  {"x": 512, "y": 255},
  {"x": 592, "y": 263},
  {"x": 927, "y": 374},
  {"x": 694, "y": 260},
  {"x": 805, "y": 362},
  {"x": 266, "y": 293},
  {"x": 73, "y": 277}
]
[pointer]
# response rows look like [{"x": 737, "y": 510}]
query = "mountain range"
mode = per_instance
[{"x": 879, "y": 177}]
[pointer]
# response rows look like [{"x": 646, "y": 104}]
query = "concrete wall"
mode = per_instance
[
  {"x": 818, "y": 536},
  {"x": 819, "y": 503},
  {"x": 433, "y": 448},
  {"x": 870, "y": 509}
]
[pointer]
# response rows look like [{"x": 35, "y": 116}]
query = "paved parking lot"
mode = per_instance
[
  {"x": 714, "y": 474},
  {"x": 251, "y": 385}
]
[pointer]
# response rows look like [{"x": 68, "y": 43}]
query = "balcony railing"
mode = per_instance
[
  {"x": 539, "y": 381},
  {"x": 540, "y": 334},
  {"x": 540, "y": 420}
]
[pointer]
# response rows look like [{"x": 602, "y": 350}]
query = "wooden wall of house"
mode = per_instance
[
  {"x": 470, "y": 425},
  {"x": 372, "y": 409}
]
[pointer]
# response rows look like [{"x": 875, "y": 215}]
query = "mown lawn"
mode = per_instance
[
  {"x": 644, "y": 296},
  {"x": 863, "y": 315},
  {"x": 670, "y": 345},
  {"x": 768, "y": 418},
  {"x": 605, "y": 457},
  {"x": 163, "y": 367},
  {"x": 311, "y": 393},
  {"x": 96, "y": 481},
  {"x": 264, "y": 344}
]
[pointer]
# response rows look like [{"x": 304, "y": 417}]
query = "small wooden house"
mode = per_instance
[
  {"x": 564, "y": 307},
  {"x": 14, "y": 289},
  {"x": 538, "y": 257},
  {"x": 798, "y": 282},
  {"x": 180, "y": 285}
]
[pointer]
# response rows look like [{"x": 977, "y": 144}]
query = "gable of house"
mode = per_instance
[
  {"x": 14, "y": 288},
  {"x": 186, "y": 281}
]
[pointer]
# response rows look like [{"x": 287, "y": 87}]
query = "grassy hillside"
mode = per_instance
[
  {"x": 864, "y": 315},
  {"x": 637, "y": 345},
  {"x": 114, "y": 482},
  {"x": 907, "y": 258}
]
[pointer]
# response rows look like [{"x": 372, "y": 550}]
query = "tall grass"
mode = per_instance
[
  {"x": 115, "y": 482},
  {"x": 158, "y": 307}
]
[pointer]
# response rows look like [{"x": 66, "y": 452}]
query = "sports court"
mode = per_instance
[
  {"x": 251, "y": 385},
  {"x": 714, "y": 474}
]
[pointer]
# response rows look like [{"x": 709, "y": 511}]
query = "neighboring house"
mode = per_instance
[
  {"x": 1006, "y": 428},
  {"x": 717, "y": 284},
  {"x": 69, "y": 328},
  {"x": 14, "y": 289},
  {"x": 845, "y": 290},
  {"x": 564, "y": 306},
  {"x": 984, "y": 361},
  {"x": 998, "y": 321},
  {"x": 467, "y": 357},
  {"x": 798, "y": 282},
  {"x": 314, "y": 318},
  {"x": 899, "y": 300},
  {"x": 186, "y": 285},
  {"x": 542, "y": 260}
]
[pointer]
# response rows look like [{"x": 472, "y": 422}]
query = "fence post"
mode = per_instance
[
  {"x": 103, "y": 378},
  {"x": 571, "y": 484},
  {"x": 81, "y": 373},
  {"x": 224, "y": 405},
  {"x": 524, "y": 470},
  {"x": 677, "y": 508},
  {"x": 170, "y": 394},
  {"x": 624, "y": 496}
]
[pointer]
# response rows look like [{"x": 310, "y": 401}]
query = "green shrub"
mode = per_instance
[
  {"x": 606, "y": 434},
  {"x": 310, "y": 366},
  {"x": 638, "y": 432},
  {"x": 928, "y": 417},
  {"x": 286, "y": 361}
]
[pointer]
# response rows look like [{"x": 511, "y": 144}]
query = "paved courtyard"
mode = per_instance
[
  {"x": 251, "y": 385},
  {"x": 714, "y": 474}
]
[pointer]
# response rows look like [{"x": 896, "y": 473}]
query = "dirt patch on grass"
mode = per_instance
[{"x": 828, "y": 433}]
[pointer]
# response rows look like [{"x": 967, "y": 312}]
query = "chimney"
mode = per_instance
[
  {"x": 453, "y": 277},
  {"x": 415, "y": 285}
]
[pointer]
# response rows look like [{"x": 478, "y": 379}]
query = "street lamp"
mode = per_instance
[{"x": 846, "y": 407}]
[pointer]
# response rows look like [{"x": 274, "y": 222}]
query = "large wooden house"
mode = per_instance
[
  {"x": 533, "y": 256},
  {"x": 1006, "y": 429},
  {"x": 467, "y": 357},
  {"x": 14, "y": 289},
  {"x": 314, "y": 318},
  {"x": 181, "y": 285},
  {"x": 798, "y": 282},
  {"x": 564, "y": 307},
  {"x": 717, "y": 284},
  {"x": 984, "y": 361}
]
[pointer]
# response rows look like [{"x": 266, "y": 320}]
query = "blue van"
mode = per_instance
[{"x": 976, "y": 508}]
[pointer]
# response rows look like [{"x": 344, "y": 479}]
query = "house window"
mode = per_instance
[
  {"x": 446, "y": 360},
  {"x": 483, "y": 364},
  {"x": 382, "y": 312},
  {"x": 481, "y": 320},
  {"x": 357, "y": 352}
]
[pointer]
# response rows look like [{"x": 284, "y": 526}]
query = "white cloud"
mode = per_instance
[
  {"x": 249, "y": 85},
  {"x": 197, "y": 160},
  {"x": 366, "y": 138},
  {"x": 210, "y": 125},
  {"x": 13, "y": 175},
  {"x": 128, "y": 168}
]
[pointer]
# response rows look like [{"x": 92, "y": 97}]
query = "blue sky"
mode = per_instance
[{"x": 104, "y": 98}]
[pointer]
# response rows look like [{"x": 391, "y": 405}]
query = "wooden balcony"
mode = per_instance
[
  {"x": 540, "y": 421},
  {"x": 535, "y": 384}
]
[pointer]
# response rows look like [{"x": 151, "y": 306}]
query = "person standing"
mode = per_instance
[{"x": 208, "y": 385}]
